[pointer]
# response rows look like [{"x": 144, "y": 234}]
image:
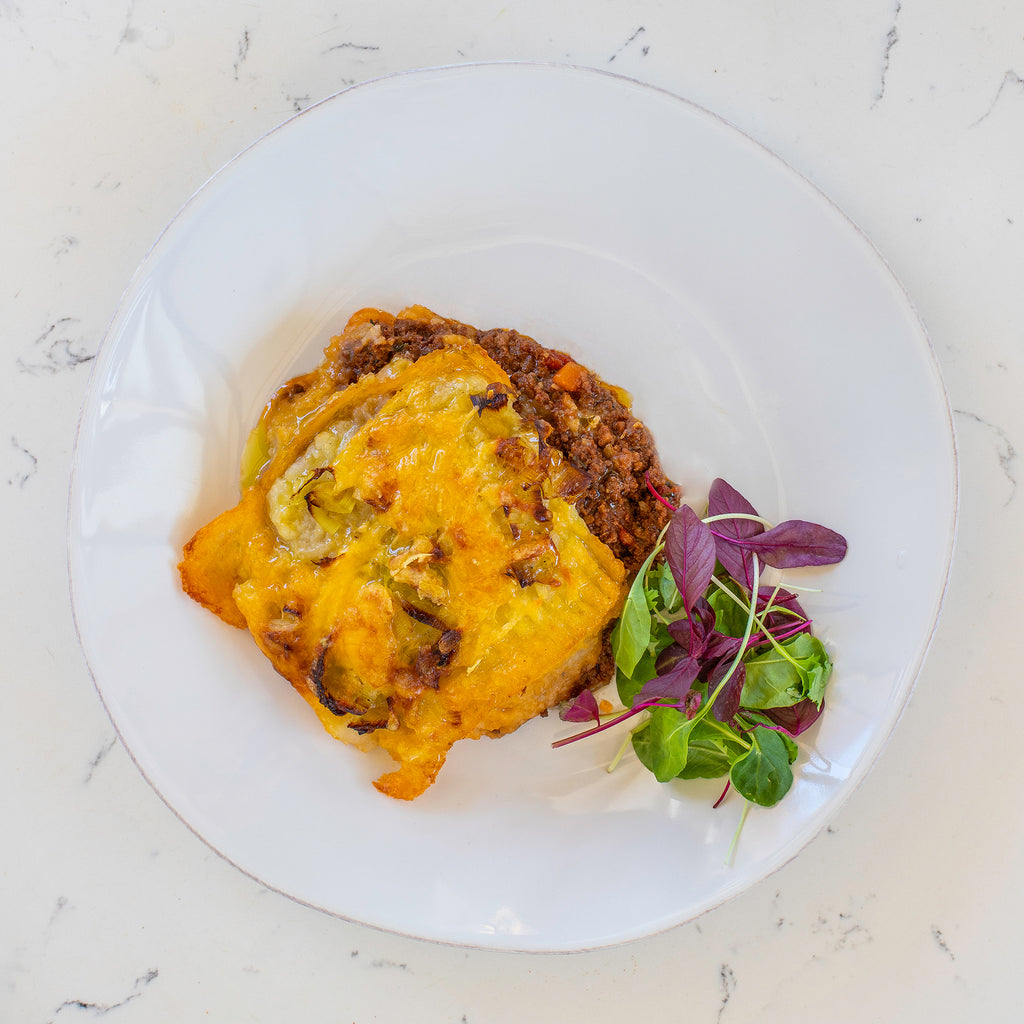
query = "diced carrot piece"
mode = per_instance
[{"x": 569, "y": 377}]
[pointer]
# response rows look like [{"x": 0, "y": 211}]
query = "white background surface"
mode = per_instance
[{"x": 911, "y": 117}]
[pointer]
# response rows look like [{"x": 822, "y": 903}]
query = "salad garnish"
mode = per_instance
[{"x": 718, "y": 670}]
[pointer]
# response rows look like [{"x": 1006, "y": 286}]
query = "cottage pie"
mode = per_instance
[{"x": 436, "y": 531}]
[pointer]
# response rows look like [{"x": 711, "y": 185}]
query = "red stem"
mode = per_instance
[
  {"x": 643, "y": 706},
  {"x": 664, "y": 501}
]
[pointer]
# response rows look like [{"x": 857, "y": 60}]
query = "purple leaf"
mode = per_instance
[
  {"x": 582, "y": 709},
  {"x": 723, "y": 499},
  {"x": 693, "y": 632},
  {"x": 703, "y": 616},
  {"x": 727, "y": 703},
  {"x": 674, "y": 685},
  {"x": 796, "y": 543},
  {"x": 686, "y": 637},
  {"x": 797, "y": 717},
  {"x": 703, "y": 610},
  {"x": 691, "y": 703},
  {"x": 669, "y": 658},
  {"x": 722, "y": 646},
  {"x": 690, "y": 553}
]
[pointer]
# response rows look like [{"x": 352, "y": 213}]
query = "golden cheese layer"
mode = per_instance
[{"x": 407, "y": 554}]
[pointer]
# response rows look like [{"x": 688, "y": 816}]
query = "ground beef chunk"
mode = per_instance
[{"x": 590, "y": 424}]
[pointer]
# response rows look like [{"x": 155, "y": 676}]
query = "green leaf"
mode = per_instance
[
  {"x": 629, "y": 684},
  {"x": 632, "y": 632},
  {"x": 775, "y": 681},
  {"x": 631, "y": 635},
  {"x": 712, "y": 749},
  {"x": 671, "y": 599},
  {"x": 730, "y": 617},
  {"x": 762, "y": 775},
  {"x": 663, "y": 745},
  {"x": 791, "y": 748}
]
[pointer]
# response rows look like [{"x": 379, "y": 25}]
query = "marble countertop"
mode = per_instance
[{"x": 910, "y": 116}]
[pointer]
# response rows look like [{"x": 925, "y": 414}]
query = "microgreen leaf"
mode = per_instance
[
  {"x": 776, "y": 680},
  {"x": 762, "y": 774},
  {"x": 632, "y": 632},
  {"x": 669, "y": 658},
  {"x": 727, "y": 703},
  {"x": 730, "y": 615},
  {"x": 628, "y": 684},
  {"x": 795, "y": 543},
  {"x": 722, "y": 646},
  {"x": 663, "y": 746},
  {"x": 583, "y": 708},
  {"x": 792, "y": 750},
  {"x": 687, "y": 638},
  {"x": 674, "y": 684},
  {"x": 711, "y": 750},
  {"x": 723, "y": 499},
  {"x": 796, "y": 718},
  {"x": 694, "y": 631},
  {"x": 671, "y": 600},
  {"x": 690, "y": 553}
]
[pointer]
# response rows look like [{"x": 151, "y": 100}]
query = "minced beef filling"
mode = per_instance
[{"x": 590, "y": 427}]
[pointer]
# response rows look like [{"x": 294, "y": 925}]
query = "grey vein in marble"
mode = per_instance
[
  {"x": 55, "y": 350},
  {"x": 99, "y": 1009},
  {"x": 98, "y": 759},
  {"x": 29, "y": 465},
  {"x": 390, "y": 963},
  {"x": 152, "y": 36},
  {"x": 62, "y": 902},
  {"x": 351, "y": 46},
  {"x": 846, "y": 932},
  {"x": 636, "y": 35},
  {"x": 14, "y": 15},
  {"x": 1006, "y": 453},
  {"x": 891, "y": 39},
  {"x": 63, "y": 245},
  {"x": 129, "y": 34},
  {"x": 105, "y": 184},
  {"x": 298, "y": 103},
  {"x": 1011, "y": 78},
  {"x": 940, "y": 941},
  {"x": 243, "y": 51},
  {"x": 727, "y": 981}
]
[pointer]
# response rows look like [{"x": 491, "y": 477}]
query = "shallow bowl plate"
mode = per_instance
[{"x": 764, "y": 340}]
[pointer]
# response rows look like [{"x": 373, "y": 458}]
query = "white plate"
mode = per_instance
[{"x": 764, "y": 341}]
